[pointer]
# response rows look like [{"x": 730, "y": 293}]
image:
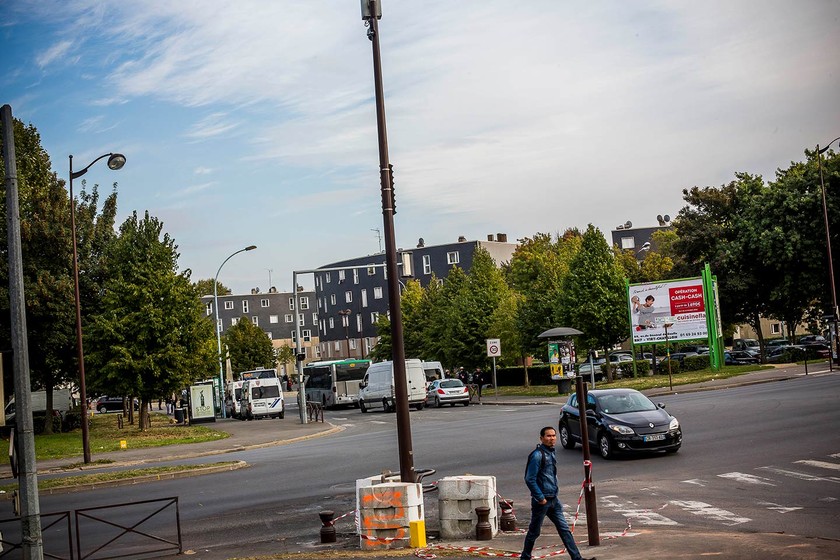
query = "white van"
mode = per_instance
[
  {"x": 260, "y": 398},
  {"x": 433, "y": 370},
  {"x": 63, "y": 401},
  {"x": 378, "y": 386},
  {"x": 233, "y": 398}
]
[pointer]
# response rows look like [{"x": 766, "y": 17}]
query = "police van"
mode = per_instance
[{"x": 261, "y": 398}]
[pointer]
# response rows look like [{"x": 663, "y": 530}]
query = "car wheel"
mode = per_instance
[
  {"x": 565, "y": 437},
  {"x": 438, "y": 404},
  {"x": 420, "y": 405},
  {"x": 102, "y": 410},
  {"x": 282, "y": 415},
  {"x": 467, "y": 403},
  {"x": 605, "y": 446},
  {"x": 362, "y": 406},
  {"x": 385, "y": 406}
]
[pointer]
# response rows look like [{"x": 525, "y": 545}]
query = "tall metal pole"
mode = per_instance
[
  {"x": 298, "y": 352},
  {"x": 407, "y": 473},
  {"x": 219, "y": 329},
  {"x": 590, "y": 502},
  {"x": 30, "y": 515},
  {"x": 836, "y": 338}
]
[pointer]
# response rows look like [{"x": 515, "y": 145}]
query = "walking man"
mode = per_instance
[{"x": 541, "y": 478}]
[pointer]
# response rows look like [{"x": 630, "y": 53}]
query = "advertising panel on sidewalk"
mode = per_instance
[
  {"x": 680, "y": 301},
  {"x": 201, "y": 403}
]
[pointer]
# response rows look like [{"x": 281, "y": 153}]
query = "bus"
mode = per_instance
[
  {"x": 258, "y": 374},
  {"x": 334, "y": 382}
]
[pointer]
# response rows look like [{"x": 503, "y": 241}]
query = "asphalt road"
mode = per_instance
[{"x": 762, "y": 458}]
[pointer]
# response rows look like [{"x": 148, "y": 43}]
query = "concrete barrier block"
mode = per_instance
[
  {"x": 466, "y": 487},
  {"x": 457, "y": 529},
  {"x": 465, "y": 509},
  {"x": 385, "y": 538}
]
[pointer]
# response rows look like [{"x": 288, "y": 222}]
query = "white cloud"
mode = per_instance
[{"x": 55, "y": 52}]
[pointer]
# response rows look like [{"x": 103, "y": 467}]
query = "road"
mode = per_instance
[{"x": 762, "y": 458}]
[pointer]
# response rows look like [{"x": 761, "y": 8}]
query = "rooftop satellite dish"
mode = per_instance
[
  {"x": 667, "y": 218},
  {"x": 628, "y": 224},
  {"x": 660, "y": 219}
]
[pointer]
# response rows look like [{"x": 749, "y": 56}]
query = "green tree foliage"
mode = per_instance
[
  {"x": 204, "y": 287},
  {"x": 415, "y": 320},
  {"x": 150, "y": 337},
  {"x": 285, "y": 355},
  {"x": 593, "y": 298},
  {"x": 383, "y": 349},
  {"x": 249, "y": 347}
]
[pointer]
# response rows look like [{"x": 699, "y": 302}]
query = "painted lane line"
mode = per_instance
[
  {"x": 779, "y": 508},
  {"x": 696, "y": 481},
  {"x": 707, "y": 510},
  {"x": 747, "y": 478},
  {"x": 835, "y": 455},
  {"x": 639, "y": 515},
  {"x": 801, "y": 475},
  {"x": 820, "y": 464}
]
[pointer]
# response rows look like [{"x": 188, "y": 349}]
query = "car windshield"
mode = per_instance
[
  {"x": 625, "y": 402},
  {"x": 451, "y": 383}
]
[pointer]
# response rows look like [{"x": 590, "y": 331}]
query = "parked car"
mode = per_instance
[
  {"x": 112, "y": 404},
  {"x": 695, "y": 349},
  {"x": 812, "y": 339},
  {"x": 738, "y": 358},
  {"x": 777, "y": 342},
  {"x": 747, "y": 345},
  {"x": 785, "y": 354},
  {"x": 821, "y": 350},
  {"x": 585, "y": 370},
  {"x": 447, "y": 391},
  {"x": 620, "y": 421},
  {"x": 676, "y": 357}
]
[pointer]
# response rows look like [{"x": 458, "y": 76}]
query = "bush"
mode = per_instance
[
  {"x": 39, "y": 420},
  {"x": 642, "y": 368},
  {"x": 695, "y": 363},
  {"x": 72, "y": 421}
]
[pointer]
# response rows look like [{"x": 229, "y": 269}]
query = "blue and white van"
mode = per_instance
[{"x": 262, "y": 398}]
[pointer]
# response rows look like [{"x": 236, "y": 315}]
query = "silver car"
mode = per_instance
[{"x": 447, "y": 391}]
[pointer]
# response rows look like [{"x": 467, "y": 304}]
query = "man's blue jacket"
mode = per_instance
[{"x": 541, "y": 473}]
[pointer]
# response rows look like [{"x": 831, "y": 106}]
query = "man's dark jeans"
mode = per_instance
[{"x": 554, "y": 510}]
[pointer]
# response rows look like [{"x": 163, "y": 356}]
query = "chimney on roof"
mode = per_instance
[
  {"x": 501, "y": 237},
  {"x": 421, "y": 243},
  {"x": 490, "y": 237},
  {"x": 461, "y": 239},
  {"x": 272, "y": 290}
]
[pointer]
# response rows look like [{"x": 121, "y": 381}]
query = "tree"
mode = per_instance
[
  {"x": 249, "y": 347},
  {"x": 593, "y": 299},
  {"x": 285, "y": 355},
  {"x": 204, "y": 287},
  {"x": 150, "y": 337}
]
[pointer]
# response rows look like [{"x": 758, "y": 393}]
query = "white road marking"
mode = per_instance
[
  {"x": 777, "y": 507},
  {"x": 632, "y": 511},
  {"x": 378, "y": 422},
  {"x": 707, "y": 510},
  {"x": 827, "y": 499},
  {"x": 696, "y": 481},
  {"x": 835, "y": 455},
  {"x": 821, "y": 464},
  {"x": 801, "y": 475},
  {"x": 748, "y": 478}
]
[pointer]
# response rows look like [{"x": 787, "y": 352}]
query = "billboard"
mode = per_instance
[{"x": 678, "y": 303}]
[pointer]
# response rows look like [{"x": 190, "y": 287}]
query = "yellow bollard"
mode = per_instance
[
  {"x": 417, "y": 534},
  {"x": 123, "y": 444}
]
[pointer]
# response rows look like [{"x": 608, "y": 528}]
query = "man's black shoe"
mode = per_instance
[{"x": 593, "y": 558}]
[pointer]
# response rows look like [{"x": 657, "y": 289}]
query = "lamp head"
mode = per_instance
[
  {"x": 116, "y": 161},
  {"x": 250, "y": 247}
]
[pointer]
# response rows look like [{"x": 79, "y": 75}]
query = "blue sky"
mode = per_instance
[{"x": 252, "y": 122}]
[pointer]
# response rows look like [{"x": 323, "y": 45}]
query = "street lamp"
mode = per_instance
[
  {"x": 834, "y": 310},
  {"x": 115, "y": 162},
  {"x": 219, "y": 329},
  {"x": 345, "y": 319}
]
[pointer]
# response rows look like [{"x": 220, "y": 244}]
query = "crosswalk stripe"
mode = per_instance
[
  {"x": 801, "y": 475},
  {"x": 707, "y": 510},
  {"x": 748, "y": 478},
  {"x": 821, "y": 464}
]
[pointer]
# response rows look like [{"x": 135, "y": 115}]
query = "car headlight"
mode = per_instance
[
  {"x": 623, "y": 430},
  {"x": 674, "y": 424}
]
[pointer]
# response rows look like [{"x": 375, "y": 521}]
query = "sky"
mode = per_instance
[{"x": 253, "y": 122}]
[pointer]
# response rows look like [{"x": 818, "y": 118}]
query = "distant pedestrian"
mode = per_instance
[
  {"x": 541, "y": 478},
  {"x": 478, "y": 379}
]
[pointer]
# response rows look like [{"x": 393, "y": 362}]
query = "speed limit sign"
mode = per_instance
[{"x": 494, "y": 348}]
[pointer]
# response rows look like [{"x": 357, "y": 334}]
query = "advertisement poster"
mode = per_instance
[
  {"x": 680, "y": 302},
  {"x": 561, "y": 360},
  {"x": 201, "y": 403}
]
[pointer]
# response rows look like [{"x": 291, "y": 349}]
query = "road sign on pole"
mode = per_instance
[{"x": 494, "y": 348}]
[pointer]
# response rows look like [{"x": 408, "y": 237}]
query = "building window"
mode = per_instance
[
  {"x": 358, "y": 322},
  {"x": 352, "y": 342},
  {"x": 228, "y": 305},
  {"x": 776, "y": 328},
  {"x": 302, "y": 320},
  {"x": 209, "y": 308},
  {"x": 440, "y": 281},
  {"x": 332, "y": 323},
  {"x": 234, "y": 321},
  {"x": 264, "y": 302},
  {"x": 317, "y": 351},
  {"x": 337, "y": 345},
  {"x": 364, "y": 297},
  {"x": 268, "y": 334},
  {"x": 355, "y": 275},
  {"x": 307, "y": 335},
  {"x": 341, "y": 276},
  {"x": 304, "y": 303},
  {"x": 628, "y": 242},
  {"x": 332, "y": 299},
  {"x": 348, "y": 297},
  {"x": 273, "y": 319},
  {"x": 255, "y": 320},
  {"x": 377, "y": 292},
  {"x": 289, "y": 318},
  {"x": 317, "y": 281},
  {"x": 344, "y": 321},
  {"x": 219, "y": 325},
  {"x": 328, "y": 277},
  {"x": 371, "y": 271},
  {"x": 452, "y": 257},
  {"x": 374, "y": 316},
  {"x": 314, "y": 318},
  {"x": 427, "y": 264},
  {"x": 244, "y": 306},
  {"x": 292, "y": 303}
]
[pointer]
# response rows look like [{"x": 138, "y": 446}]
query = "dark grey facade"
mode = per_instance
[
  {"x": 349, "y": 300},
  {"x": 638, "y": 240},
  {"x": 273, "y": 312}
]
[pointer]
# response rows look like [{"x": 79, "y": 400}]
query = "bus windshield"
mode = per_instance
[{"x": 319, "y": 377}]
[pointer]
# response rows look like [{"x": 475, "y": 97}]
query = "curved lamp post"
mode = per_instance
[
  {"x": 219, "y": 329},
  {"x": 115, "y": 162},
  {"x": 836, "y": 339}
]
